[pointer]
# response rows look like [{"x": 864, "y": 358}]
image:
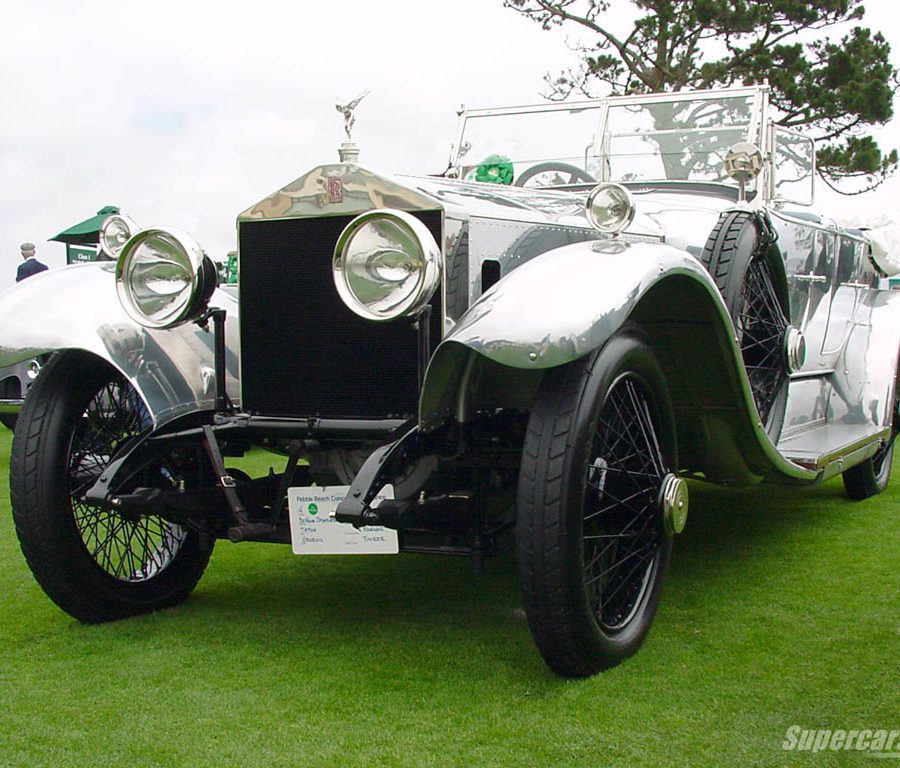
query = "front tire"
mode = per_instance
[
  {"x": 95, "y": 564},
  {"x": 592, "y": 546}
]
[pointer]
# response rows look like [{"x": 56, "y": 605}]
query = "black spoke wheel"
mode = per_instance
[
  {"x": 873, "y": 475},
  {"x": 592, "y": 545},
  {"x": 761, "y": 327},
  {"x": 735, "y": 255},
  {"x": 555, "y": 171},
  {"x": 94, "y": 563}
]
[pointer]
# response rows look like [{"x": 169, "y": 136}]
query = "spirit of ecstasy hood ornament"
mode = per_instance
[{"x": 349, "y": 152}]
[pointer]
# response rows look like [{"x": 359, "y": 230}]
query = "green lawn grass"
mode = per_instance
[{"x": 781, "y": 608}]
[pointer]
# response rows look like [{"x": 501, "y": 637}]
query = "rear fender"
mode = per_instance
[{"x": 77, "y": 308}]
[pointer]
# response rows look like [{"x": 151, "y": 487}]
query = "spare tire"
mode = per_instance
[{"x": 739, "y": 257}]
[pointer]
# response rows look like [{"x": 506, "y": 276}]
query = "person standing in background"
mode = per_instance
[{"x": 30, "y": 266}]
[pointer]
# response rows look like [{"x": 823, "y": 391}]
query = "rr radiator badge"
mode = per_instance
[{"x": 335, "y": 190}]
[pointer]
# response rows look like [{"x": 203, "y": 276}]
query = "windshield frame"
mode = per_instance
[{"x": 758, "y": 95}]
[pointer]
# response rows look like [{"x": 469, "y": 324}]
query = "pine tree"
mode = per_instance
[{"x": 835, "y": 89}]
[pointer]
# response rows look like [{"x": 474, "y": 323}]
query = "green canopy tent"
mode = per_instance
[{"x": 81, "y": 239}]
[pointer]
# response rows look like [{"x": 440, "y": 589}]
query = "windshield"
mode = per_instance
[
  {"x": 558, "y": 140},
  {"x": 675, "y": 141},
  {"x": 641, "y": 138}
]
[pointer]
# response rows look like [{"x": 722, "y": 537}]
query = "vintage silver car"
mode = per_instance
[{"x": 531, "y": 351}]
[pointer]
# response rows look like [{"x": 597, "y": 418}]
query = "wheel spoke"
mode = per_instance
[
  {"x": 128, "y": 549},
  {"x": 762, "y": 324},
  {"x": 624, "y": 532},
  {"x": 621, "y": 525},
  {"x": 630, "y": 582},
  {"x": 618, "y": 563},
  {"x": 618, "y": 503}
]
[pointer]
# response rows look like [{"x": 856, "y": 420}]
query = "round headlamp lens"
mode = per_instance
[
  {"x": 163, "y": 278},
  {"x": 386, "y": 265},
  {"x": 610, "y": 208},
  {"x": 114, "y": 233}
]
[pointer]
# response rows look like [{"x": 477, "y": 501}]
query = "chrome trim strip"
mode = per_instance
[{"x": 812, "y": 374}]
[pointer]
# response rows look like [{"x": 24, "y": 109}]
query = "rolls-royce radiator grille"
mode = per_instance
[{"x": 303, "y": 353}]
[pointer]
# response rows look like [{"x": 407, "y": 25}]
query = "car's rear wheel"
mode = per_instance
[
  {"x": 592, "y": 545},
  {"x": 96, "y": 564},
  {"x": 873, "y": 475},
  {"x": 735, "y": 255},
  {"x": 8, "y": 420}
]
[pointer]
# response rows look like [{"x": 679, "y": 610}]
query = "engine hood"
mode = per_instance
[
  {"x": 681, "y": 214},
  {"x": 341, "y": 189}
]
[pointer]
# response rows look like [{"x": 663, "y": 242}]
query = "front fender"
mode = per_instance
[
  {"x": 569, "y": 302},
  {"x": 77, "y": 308}
]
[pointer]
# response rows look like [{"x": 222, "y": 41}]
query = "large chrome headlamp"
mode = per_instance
[
  {"x": 114, "y": 233},
  {"x": 164, "y": 278},
  {"x": 610, "y": 208},
  {"x": 386, "y": 265}
]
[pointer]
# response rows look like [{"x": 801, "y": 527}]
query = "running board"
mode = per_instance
[{"x": 832, "y": 448}]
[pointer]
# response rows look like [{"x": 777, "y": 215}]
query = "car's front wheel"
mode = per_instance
[
  {"x": 592, "y": 543},
  {"x": 96, "y": 564}
]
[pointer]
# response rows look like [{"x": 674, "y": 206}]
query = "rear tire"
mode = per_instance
[
  {"x": 9, "y": 420},
  {"x": 592, "y": 547},
  {"x": 95, "y": 564},
  {"x": 874, "y": 474},
  {"x": 871, "y": 476}
]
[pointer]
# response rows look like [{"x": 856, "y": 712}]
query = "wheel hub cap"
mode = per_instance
[
  {"x": 794, "y": 349},
  {"x": 673, "y": 502}
]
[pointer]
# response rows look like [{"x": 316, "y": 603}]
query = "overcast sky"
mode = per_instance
[{"x": 184, "y": 113}]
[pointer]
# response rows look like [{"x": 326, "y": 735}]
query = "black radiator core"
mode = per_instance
[{"x": 303, "y": 352}]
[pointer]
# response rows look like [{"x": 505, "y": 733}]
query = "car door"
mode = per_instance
[{"x": 809, "y": 250}]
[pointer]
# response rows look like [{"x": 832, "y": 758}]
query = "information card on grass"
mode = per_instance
[{"x": 315, "y": 532}]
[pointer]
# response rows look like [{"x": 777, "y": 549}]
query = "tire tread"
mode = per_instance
[
  {"x": 47, "y": 534},
  {"x": 552, "y": 592}
]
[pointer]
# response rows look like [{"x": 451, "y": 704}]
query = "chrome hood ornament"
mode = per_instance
[{"x": 348, "y": 151}]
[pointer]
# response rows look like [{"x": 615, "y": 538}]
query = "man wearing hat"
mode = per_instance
[{"x": 30, "y": 266}]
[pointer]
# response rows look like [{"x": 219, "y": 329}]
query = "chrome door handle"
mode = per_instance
[{"x": 810, "y": 278}]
